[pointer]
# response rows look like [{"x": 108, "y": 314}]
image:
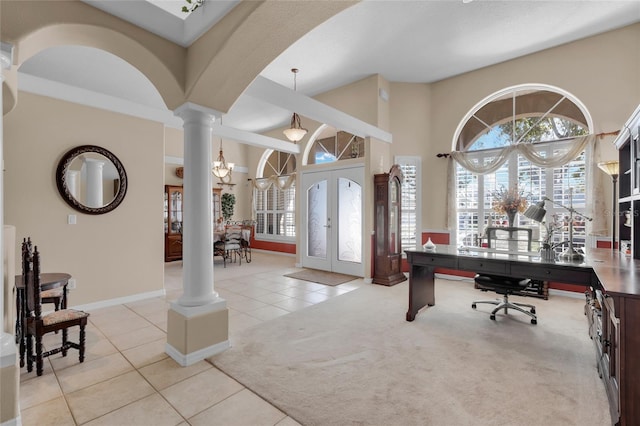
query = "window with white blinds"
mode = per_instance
[
  {"x": 547, "y": 118},
  {"x": 411, "y": 197},
  {"x": 275, "y": 213},
  {"x": 275, "y": 207}
]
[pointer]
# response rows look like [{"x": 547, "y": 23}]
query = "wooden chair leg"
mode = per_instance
[
  {"x": 39, "y": 362},
  {"x": 65, "y": 335},
  {"x": 23, "y": 349},
  {"x": 81, "y": 342},
  {"x": 29, "y": 353}
]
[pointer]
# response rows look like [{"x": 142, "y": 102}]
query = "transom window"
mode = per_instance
[
  {"x": 547, "y": 119},
  {"x": 334, "y": 145}
]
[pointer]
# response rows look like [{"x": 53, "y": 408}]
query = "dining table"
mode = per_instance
[{"x": 48, "y": 281}]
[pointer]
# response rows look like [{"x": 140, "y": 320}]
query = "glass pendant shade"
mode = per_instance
[
  {"x": 295, "y": 132},
  {"x": 221, "y": 168}
]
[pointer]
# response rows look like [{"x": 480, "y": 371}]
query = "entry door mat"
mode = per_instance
[{"x": 322, "y": 277}]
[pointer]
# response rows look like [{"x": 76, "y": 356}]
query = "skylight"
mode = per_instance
[{"x": 174, "y": 7}]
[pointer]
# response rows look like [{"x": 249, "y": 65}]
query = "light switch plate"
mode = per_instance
[{"x": 71, "y": 219}]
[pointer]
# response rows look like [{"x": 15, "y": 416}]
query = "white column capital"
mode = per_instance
[
  {"x": 6, "y": 55},
  {"x": 190, "y": 112}
]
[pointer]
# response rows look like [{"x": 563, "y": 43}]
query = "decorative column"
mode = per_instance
[
  {"x": 198, "y": 323},
  {"x": 94, "y": 169},
  {"x": 9, "y": 373},
  {"x": 72, "y": 183}
]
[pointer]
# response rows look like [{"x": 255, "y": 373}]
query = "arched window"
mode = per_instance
[
  {"x": 334, "y": 145},
  {"x": 274, "y": 197},
  {"x": 549, "y": 122}
]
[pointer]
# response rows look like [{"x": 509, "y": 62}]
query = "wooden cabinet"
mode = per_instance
[
  {"x": 604, "y": 330},
  {"x": 173, "y": 203},
  {"x": 628, "y": 144},
  {"x": 172, "y": 223},
  {"x": 387, "y": 223},
  {"x": 613, "y": 327}
]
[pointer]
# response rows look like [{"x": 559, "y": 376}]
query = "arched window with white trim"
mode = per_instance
[
  {"x": 529, "y": 138},
  {"x": 274, "y": 197}
]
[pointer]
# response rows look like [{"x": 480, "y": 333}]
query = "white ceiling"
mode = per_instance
[{"x": 404, "y": 41}]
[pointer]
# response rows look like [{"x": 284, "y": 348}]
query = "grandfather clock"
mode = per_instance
[{"x": 387, "y": 268}]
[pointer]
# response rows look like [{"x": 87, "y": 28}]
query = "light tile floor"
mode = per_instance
[{"x": 127, "y": 379}]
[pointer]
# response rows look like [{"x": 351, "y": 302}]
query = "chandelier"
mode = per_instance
[
  {"x": 222, "y": 169},
  {"x": 295, "y": 132}
]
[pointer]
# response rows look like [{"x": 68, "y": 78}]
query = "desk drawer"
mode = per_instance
[
  {"x": 483, "y": 265},
  {"x": 554, "y": 273},
  {"x": 434, "y": 261}
]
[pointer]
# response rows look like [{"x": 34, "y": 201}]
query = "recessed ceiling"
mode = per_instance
[{"x": 404, "y": 41}]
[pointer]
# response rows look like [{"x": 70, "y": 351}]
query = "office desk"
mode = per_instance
[
  {"x": 423, "y": 264},
  {"x": 48, "y": 280},
  {"x": 613, "y": 278}
]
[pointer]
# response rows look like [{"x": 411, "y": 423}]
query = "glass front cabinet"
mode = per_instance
[
  {"x": 173, "y": 202},
  {"x": 388, "y": 244}
]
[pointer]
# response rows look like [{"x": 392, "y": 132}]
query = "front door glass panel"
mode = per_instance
[
  {"x": 349, "y": 220},
  {"x": 317, "y": 219}
]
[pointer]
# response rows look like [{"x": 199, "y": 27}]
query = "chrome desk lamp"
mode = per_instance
[{"x": 537, "y": 212}]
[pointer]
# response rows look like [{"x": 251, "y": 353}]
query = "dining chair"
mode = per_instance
[
  {"x": 247, "y": 229},
  {"x": 54, "y": 295},
  {"x": 37, "y": 325},
  {"x": 233, "y": 242}
]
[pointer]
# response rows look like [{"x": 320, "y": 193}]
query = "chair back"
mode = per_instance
[
  {"x": 509, "y": 238},
  {"x": 31, "y": 280},
  {"x": 27, "y": 255},
  {"x": 233, "y": 234},
  {"x": 247, "y": 230}
]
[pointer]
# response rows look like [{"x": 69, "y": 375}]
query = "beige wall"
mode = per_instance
[
  {"x": 422, "y": 118},
  {"x": 113, "y": 255},
  {"x": 601, "y": 71}
]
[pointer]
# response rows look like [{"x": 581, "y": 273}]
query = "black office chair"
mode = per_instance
[{"x": 506, "y": 239}]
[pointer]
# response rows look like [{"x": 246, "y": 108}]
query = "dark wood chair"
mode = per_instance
[
  {"x": 57, "y": 295},
  {"x": 37, "y": 325},
  {"x": 509, "y": 240}
]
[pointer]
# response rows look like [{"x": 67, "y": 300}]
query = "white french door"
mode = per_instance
[{"x": 332, "y": 227}]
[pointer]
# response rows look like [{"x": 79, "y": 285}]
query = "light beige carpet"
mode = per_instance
[
  {"x": 354, "y": 360},
  {"x": 322, "y": 277}
]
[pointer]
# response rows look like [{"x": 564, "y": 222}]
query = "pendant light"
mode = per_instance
[
  {"x": 222, "y": 169},
  {"x": 295, "y": 132}
]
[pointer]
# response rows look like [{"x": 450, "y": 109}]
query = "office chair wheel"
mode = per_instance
[
  {"x": 493, "y": 317},
  {"x": 533, "y": 321},
  {"x": 533, "y": 310},
  {"x": 473, "y": 305}
]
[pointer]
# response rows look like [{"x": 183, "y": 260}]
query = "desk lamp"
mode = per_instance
[{"x": 537, "y": 212}]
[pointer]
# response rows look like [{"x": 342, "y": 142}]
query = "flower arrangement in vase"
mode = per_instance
[{"x": 509, "y": 201}]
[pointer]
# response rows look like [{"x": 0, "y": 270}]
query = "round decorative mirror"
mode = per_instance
[{"x": 91, "y": 179}]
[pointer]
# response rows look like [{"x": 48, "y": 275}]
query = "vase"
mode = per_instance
[
  {"x": 429, "y": 246},
  {"x": 511, "y": 216},
  {"x": 546, "y": 253}
]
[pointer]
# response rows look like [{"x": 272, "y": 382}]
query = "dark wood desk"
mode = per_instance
[
  {"x": 48, "y": 280},
  {"x": 613, "y": 279}
]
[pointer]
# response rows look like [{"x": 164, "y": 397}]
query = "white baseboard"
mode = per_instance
[
  {"x": 192, "y": 358},
  {"x": 119, "y": 300}
]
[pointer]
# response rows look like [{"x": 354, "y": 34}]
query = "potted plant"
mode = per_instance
[{"x": 228, "y": 201}]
